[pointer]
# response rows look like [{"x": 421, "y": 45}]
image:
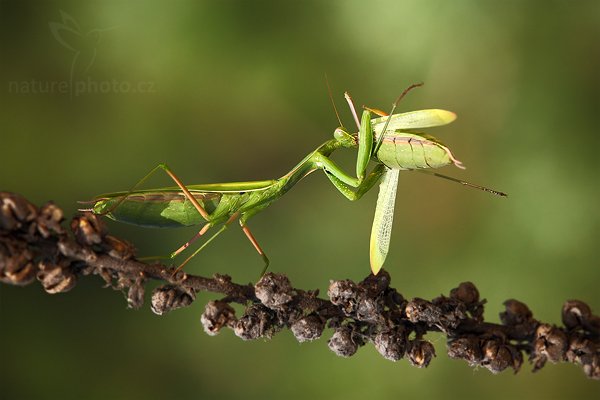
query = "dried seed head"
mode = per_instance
[
  {"x": 257, "y": 321},
  {"x": 391, "y": 344},
  {"x": 496, "y": 356},
  {"x": 420, "y": 352},
  {"x": 308, "y": 328},
  {"x": 466, "y": 348},
  {"x": 118, "y": 248},
  {"x": 344, "y": 294},
  {"x": 465, "y": 292},
  {"x": 49, "y": 220},
  {"x": 375, "y": 285},
  {"x": 216, "y": 315},
  {"x": 415, "y": 308},
  {"x": 368, "y": 309},
  {"x": 342, "y": 343},
  {"x": 135, "y": 293},
  {"x": 575, "y": 314},
  {"x": 517, "y": 358},
  {"x": 22, "y": 276},
  {"x": 515, "y": 313},
  {"x": 16, "y": 265},
  {"x": 15, "y": 211},
  {"x": 56, "y": 278},
  {"x": 592, "y": 370},
  {"x": 88, "y": 229},
  {"x": 274, "y": 290},
  {"x": 447, "y": 316},
  {"x": 107, "y": 276},
  {"x": 169, "y": 297},
  {"x": 581, "y": 349},
  {"x": 550, "y": 342}
]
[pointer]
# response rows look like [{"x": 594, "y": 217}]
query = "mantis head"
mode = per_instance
[{"x": 346, "y": 139}]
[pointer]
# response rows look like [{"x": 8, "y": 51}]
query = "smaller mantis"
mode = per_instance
[{"x": 389, "y": 140}]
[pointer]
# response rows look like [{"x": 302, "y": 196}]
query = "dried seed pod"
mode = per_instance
[
  {"x": 496, "y": 357},
  {"x": 216, "y": 315},
  {"x": 368, "y": 310},
  {"x": 420, "y": 352},
  {"x": 118, "y": 248},
  {"x": 465, "y": 292},
  {"x": 16, "y": 263},
  {"x": 308, "y": 328},
  {"x": 342, "y": 342},
  {"x": 257, "y": 321},
  {"x": 575, "y": 314},
  {"x": 466, "y": 348},
  {"x": 375, "y": 285},
  {"x": 88, "y": 229},
  {"x": 550, "y": 342},
  {"x": 135, "y": 293},
  {"x": 170, "y": 297},
  {"x": 515, "y": 313},
  {"x": 273, "y": 290},
  {"x": 391, "y": 343},
  {"x": 56, "y": 278},
  {"x": 21, "y": 276},
  {"x": 49, "y": 220},
  {"x": 592, "y": 368},
  {"x": 107, "y": 276},
  {"x": 446, "y": 317},
  {"x": 581, "y": 349},
  {"x": 345, "y": 294},
  {"x": 15, "y": 211}
]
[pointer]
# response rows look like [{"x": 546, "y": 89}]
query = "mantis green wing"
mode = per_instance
[
  {"x": 381, "y": 231},
  {"x": 414, "y": 120}
]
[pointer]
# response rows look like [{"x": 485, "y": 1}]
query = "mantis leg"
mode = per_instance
[
  {"x": 252, "y": 240},
  {"x": 187, "y": 244},
  {"x": 174, "y": 177},
  {"x": 352, "y": 108},
  {"x": 364, "y": 187},
  {"x": 210, "y": 239},
  {"x": 365, "y": 146},
  {"x": 377, "y": 111}
]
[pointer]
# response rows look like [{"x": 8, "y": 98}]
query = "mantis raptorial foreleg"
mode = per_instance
[
  {"x": 364, "y": 187},
  {"x": 341, "y": 180}
]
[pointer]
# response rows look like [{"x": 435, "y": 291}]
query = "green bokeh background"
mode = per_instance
[{"x": 237, "y": 93}]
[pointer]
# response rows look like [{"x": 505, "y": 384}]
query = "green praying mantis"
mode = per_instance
[{"x": 391, "y": 141}]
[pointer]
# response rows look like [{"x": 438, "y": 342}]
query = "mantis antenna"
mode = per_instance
[
  {"x": 333, "y": 102},
  {"x": 464, "y": 183},
  {"x": 394, "y": 105}
]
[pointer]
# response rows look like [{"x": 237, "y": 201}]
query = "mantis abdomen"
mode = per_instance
[
  {"x": 405, "y": 151},
  {"x": 163, "y": 209}
]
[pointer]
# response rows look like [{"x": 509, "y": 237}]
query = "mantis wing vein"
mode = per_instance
[{"x": 384, "y": 216}]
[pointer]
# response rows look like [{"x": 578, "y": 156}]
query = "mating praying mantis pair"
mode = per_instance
[{"x": 389, "y": 140}]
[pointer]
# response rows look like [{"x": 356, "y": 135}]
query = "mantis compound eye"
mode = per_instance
[{"x": 342, "y": 136}]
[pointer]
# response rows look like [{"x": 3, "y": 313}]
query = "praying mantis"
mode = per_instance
[{"x": 389, "y": 140}]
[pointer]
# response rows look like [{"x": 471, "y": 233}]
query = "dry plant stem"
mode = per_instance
[{"x": 35, "y": 245}]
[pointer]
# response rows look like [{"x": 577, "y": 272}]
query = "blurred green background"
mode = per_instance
[{"x": 229, "y": 91}]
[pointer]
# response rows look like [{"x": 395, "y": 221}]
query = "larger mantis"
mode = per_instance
[{"x": 390, "y": 141}]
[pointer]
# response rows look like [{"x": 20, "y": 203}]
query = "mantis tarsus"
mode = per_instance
[{"x": 388, "y": 140}]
